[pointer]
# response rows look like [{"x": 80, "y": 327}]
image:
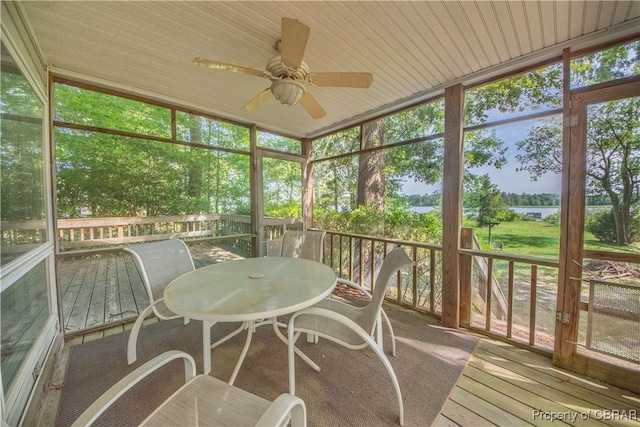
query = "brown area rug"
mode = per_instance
[{"x": 352, "y": 389}]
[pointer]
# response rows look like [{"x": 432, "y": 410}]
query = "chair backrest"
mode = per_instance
[
  {"x": 303, "y": 244},
  {"x": 274, "y": 248},
  {"x": 392, "y": 263},
  {"x": 159, "y": 263}
]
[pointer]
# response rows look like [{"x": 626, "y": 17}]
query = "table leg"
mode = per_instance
[
  {"x": 206, "y": 345},
  {"x": 250, "y": 330}
]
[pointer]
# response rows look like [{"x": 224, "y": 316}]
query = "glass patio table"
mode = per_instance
[{"x": 253, "y": 291}]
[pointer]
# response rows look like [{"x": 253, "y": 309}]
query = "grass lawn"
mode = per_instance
[{"x": 535, "y": 238}]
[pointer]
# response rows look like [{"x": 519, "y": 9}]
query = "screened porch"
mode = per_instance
[{"x": 505, "y": 163}]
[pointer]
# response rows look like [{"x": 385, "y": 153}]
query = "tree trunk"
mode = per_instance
[
  {"x": 194, "y": 186},
  {"x": 371, "y": 182}
]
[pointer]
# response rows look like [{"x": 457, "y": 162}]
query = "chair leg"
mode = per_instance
[
  {"x": 132, "y": 355},
  {"x": 299, "y": 352},
  {"x": 393, "y": 337},
  {"x": 385, "y": 361}
]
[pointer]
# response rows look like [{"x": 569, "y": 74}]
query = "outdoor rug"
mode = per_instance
[{"x": 352, "y": 388}]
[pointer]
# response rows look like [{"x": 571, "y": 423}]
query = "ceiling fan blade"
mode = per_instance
[
  {"x": 293, "y": 42},
  {"x": 312, "y": 107},
  {"x": 361, "y": 80},
  {"x": 257, "y": 102},
  {"x": 203, "y": 62}
]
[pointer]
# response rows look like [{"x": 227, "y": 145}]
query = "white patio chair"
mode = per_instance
[
  {"x": 378, "y": 336},
  {"x": 158, "y": 264},
  {"x": 298, "y": 244},
  {"x": 203, "y": 400},
  {"x": 303, "y": 244},
  {"x": 274, "y": 247},
  {"x": 349, "y": 326}
]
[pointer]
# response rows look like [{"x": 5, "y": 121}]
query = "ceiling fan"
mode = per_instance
[{"x": 290, "y": 75}]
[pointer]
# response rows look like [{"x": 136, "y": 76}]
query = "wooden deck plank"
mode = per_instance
[
  {"x": 66, "y": 271},
  {"x": 78, "y": 317},
  {"x": 75, "y": 275},
  {"x": 557, "y": 397},
  {"x": 506, "y": 396},
  {"x": 612, "y": 396},
  {"x": 442, "y": 421},
  {"x": 127, "y": 301},
  {"x": 92, "y": 271},
  {"x": 557, "y": 382},
  {"x": 112, "y": 310},
  {"x": 68, "y": 302},
  {"x": 463, "y": 416},
  {"x": 137, "y": 286},
  {"x": 477, "y": 398},
  {"x": 96, "y": 315},
  {"x": 72, "y": 279}
]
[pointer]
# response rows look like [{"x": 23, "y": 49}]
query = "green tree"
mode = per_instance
[
  {"x": 127, "y": 176},
  {"x": 613, "y": 157},
  {"x": 485, "y": 200}
]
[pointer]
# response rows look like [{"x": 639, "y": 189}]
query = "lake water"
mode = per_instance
[{"x": 544, "y": 211}]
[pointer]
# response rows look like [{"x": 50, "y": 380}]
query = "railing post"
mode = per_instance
[{"x": 466, "y": 242}]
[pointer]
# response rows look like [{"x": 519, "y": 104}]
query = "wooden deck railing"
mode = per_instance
[
  {"x": 357, "y": 257},
  {"x": 503, "y": 294},
  {"x": 85, "y": 233},
  {"x": 528, "y": 285},
  {"x": 101, "y": 232}
]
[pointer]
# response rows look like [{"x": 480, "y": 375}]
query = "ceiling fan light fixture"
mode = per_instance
[{"x": 287, "y": 91}]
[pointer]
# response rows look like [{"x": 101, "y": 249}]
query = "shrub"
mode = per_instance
[
  {"x": 553, "y": 219},
  {"x": 602, "y": 225},
  {"x": 509, "y": 215}
]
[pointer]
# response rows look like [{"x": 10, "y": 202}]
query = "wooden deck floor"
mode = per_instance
[
  {"x": 504, "y": 385},
  {"x": 103, "y": 289}
]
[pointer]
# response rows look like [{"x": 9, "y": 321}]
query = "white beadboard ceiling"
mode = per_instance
[{"x": 413, "y": 49}]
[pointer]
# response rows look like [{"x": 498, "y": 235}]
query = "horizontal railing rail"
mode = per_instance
[{"x": 103, "y": 232}]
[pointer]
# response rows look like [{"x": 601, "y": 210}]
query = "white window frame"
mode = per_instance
[{"x": 21, "y": 44}]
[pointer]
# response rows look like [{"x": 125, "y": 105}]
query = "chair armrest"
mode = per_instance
[
  {"x": 355, "y": 286},
  {"x": 278, "y": 412},
  {"x": 118, "y": 389}
]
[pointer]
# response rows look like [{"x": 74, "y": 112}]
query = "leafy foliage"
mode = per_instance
[
  {"x": 21, "y": 152},
  {"x": 601, "y": 223},
  {"x": 111, "y": 175}
]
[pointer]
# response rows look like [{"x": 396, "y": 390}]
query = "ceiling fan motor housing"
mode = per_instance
[
  {"x": 287, "y": 84},
  {"x": 278, "y": 70}
]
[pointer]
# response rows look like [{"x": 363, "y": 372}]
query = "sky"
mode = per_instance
[{"x": 508, "y": 179}]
